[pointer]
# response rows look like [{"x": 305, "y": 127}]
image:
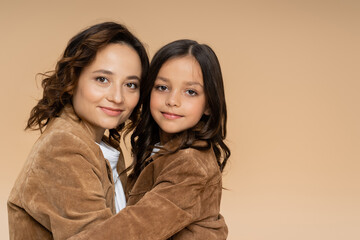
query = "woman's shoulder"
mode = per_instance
[
  {"x": 66, "y": 129},
  {"x": 61, "y": 147},
  {"x": 65, "y": 140},
  {"x": 62, "y": 132}
]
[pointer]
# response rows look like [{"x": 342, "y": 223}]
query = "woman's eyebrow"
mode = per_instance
[{"x": 104, "y": 71}]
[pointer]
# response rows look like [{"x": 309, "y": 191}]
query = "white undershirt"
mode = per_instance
[
  {"x": 112, "y": 155},
  {"x": 155, "y": 149}
]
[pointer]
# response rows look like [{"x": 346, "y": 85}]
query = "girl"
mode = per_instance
[
  {"x": 66, "y": 185},
  {"x": 179, "y": 144}
]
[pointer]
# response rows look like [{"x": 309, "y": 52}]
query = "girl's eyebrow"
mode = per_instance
[
  {"x": 108, "y": 72},
  {"x": 194, "y": 83},
  {"x": 162, "y": 79},
  {"x": 190, "y": 83},
  {"x": 133, "y": 77}
]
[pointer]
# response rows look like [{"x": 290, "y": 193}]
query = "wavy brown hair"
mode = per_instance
[
  {"x": 58, "y": 85},
  {"x": 211, "y": 129}
]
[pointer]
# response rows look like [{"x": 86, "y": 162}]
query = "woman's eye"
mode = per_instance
[
  {"x": 102, "y": 79},
  {"x": 132, "y": 85},
  {"x": 191, "y": 92}
]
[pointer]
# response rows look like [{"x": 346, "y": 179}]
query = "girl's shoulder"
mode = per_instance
[
  {"x": 191, "y": 157},
  {"x": 204, "y": 158}
]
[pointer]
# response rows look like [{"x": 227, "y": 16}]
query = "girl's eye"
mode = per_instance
[
  {"x": 132, "y": 85},
  {"x": 161, "y": 88},
  {"x": 191, "y": 92},
  {"x": 102, "y": 79}
]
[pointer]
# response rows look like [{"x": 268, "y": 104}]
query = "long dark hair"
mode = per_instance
[
  {"x": 81, "y": 50},
  {"x": 211, "y": 128}
]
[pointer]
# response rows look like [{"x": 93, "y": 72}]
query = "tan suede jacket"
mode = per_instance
[
  {"x": 175, "y": 197},
  {"x": 191, "y": 180},
  {"x": 65, "y": 186},
  {"x": 65, "y": 191}
]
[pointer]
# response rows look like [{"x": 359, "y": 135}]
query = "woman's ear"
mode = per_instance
[{"x": 70, "y": 90}]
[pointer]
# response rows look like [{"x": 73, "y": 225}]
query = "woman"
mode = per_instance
[{"x": 66, "y": 185}]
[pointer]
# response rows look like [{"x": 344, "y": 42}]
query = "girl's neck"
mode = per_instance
[{"x": 165, "y": 137}]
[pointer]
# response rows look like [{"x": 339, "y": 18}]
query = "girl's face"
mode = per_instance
[
  {"x": 108, "y": 89},
  {"x": 178, "y": 99}
]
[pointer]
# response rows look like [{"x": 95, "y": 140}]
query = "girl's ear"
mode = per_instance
[{"x": 207, "y": 111}]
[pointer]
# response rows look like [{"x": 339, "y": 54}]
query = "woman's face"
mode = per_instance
[{"x": 108, "y": 89}]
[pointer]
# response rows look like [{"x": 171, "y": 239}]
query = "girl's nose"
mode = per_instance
[{"x": 173, "y": 99}]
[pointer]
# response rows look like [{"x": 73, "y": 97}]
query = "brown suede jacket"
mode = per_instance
[
  {"x": 189, "y": 179},
  {"x": 175, "y": 197},
  {"x": 65, "y": 186},
  {"x": 66, "y": 191}
]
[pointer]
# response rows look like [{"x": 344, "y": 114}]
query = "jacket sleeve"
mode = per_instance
[
  {"x": 63, "y": 189},
  {"x": 172, "y": 204}
]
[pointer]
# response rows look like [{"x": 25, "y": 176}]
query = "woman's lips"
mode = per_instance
[
  {"x": 170, "y": 116},
  {"x": 111, "y": 111}
]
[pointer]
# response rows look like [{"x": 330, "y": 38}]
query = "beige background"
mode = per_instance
[{"x": 292, "y": 77}]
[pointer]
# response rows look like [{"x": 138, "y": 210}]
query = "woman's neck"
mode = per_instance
[{"x": 95, "y": 133}]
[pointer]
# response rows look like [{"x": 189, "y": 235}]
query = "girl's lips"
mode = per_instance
[
  {"x": 111, "y": 111},
  {"x": 170, "y": 116}
]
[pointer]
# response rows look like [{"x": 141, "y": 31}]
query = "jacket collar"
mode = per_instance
[
  {"x": 69, "y": 115},
  {"x": 174, "y": 143}
]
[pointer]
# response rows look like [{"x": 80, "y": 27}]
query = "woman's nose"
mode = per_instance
[{"x": 115, "y": 94}]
